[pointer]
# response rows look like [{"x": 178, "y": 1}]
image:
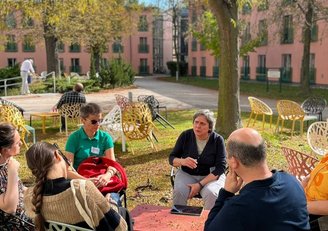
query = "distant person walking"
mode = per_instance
[
  {"x": 74, "y": 96},
  {"x": 26, "y": 68}
]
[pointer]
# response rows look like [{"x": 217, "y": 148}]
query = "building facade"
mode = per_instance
[
  {"x": 147, "y": 49},
  {"x": 281, "y": 48}
]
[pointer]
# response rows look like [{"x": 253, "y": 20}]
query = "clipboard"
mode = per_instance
[{"x": 187, "y": 210}]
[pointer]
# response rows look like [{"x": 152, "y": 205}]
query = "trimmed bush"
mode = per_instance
[{"x": 172, "y": 66}]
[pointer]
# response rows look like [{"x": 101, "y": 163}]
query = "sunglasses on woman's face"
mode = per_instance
[{"x": 94, "y": 122}]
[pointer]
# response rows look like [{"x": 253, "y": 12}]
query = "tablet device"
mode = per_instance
[{"x": 187, "y": 210}]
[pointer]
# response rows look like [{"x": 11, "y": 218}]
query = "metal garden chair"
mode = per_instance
[
  {"x": 258, "y": 107},
  {"x": 299, "y": 164},
  {"x": 317, "y": 137}
]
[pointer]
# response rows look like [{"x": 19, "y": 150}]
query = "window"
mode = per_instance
[
  {"x": 312, "y": 70},
  {"x": 261, "y": 68},
  {"x": 314, "y": 33},
  {"x": 61, "y": 64},
  {"x": 28, "y": 45},
  {"x": 75, "y": 47},
  {"x": 286, "y": 70},
  {"x": 27, "y": 22},
  {"x": 143, "y": 24},
  {"x": 287, "y": 2},
  {"x": 247, "y": 34},
  {"x": 143, "y": 68},
  {"x": 288, "y": 31},
  {"x": 245, "y": 70},
  {"x": 143, "y": 46},
  {"x": 12, "y": 62},
  {"x": 11, "y": 45},
  {"x": 287, "y": 60},
  {"x": 75, "y": 65},
  {"x": 203, "y": 67},
  {"x": 117, "y": 46},
  {"x": 60, "y": 46},
  {"x": 11, "y": 21},
  {"x": 194, "y": 44},
  {"x": 263, "y": 5},
  {"x": 193, "y": 16},
  {"x": 263, "y": 32},
  {"x": 261, "y": 61},
  {"x": 194, "y": 67},
  {"x": 247, "y": 8}
]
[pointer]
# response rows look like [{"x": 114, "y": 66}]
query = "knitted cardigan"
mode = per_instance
[{"x": 61, "y": 207}]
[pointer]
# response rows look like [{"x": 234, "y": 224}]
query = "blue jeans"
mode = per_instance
[{"x": 116, "y": 198}]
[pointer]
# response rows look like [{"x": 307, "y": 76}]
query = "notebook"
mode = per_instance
[{"x": 187, "y": 210}]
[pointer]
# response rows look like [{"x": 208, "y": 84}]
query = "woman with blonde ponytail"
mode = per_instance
[{"x": 56, "y": 198}]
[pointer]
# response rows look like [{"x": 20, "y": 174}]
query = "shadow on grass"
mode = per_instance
[{"x": 128, "y": 159}]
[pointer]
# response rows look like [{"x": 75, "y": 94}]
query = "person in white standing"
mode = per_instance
[{"x": 26, "y": 68}]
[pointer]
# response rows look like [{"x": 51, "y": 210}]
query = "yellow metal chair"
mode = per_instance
[
  {"x": 70, "y": 111},
  {"x": 11, "y": 114},
  {"x": 290, "y": 110},
  {"x": 258, "y": 107},
  {"x": 137, "y": 123}
]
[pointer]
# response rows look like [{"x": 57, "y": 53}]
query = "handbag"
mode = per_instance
[{"x": 95, "y": 166}]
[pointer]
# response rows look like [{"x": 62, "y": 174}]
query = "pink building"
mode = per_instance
[
  {"x": 144, "y": 49},
  {"x": 281, "y": 49}
]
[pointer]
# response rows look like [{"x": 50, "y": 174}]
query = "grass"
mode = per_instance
[
  {"x": 148, "y": 170},
  {"x": 256, "y": 89}
]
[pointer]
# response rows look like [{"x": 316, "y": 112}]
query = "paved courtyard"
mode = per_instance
[{"x": 175, "y": 96}]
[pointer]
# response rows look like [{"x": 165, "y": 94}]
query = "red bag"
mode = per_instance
[{"x": 95, "y": 166}]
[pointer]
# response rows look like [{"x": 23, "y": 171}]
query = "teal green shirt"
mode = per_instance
[{"x": 83, "y": 147}]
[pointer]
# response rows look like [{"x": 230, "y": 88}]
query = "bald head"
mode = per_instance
[
  {"x": 78, "y": 87},
  {"x": 246, "y": 145},
  {"x": 246, "y": 136}
]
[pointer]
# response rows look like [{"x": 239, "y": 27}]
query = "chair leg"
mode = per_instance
[
  {"x": 255, "y": 119},
  {"x": 123, "y": 142},
  {"x": 301, "y": 127},
  {"x": 277, "y": 126},
  {"x": 270, "y": 121},
  {"x": 282, "y": 125},
  {"x": 66, "y": 126},
  {"x": 249, "y": 120},
  {"x": 263, "y": 120},
  {"x": 293, "y": 127}
]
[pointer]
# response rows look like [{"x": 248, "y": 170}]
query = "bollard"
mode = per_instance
[{"x": 130, "y": 96}]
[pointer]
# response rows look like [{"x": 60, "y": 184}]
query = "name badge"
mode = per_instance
[{"x": 95, "y": 150}]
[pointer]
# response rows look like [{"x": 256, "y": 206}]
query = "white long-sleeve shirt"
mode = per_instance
[{"x": 27, "y": 66}]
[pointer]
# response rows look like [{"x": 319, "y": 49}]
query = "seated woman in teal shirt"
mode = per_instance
[{"x": 90, "y": 141}]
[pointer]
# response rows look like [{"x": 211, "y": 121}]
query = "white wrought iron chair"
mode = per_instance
[
  {"x": 317, "y": 137},
  {"x": 112, "y": 123},
  {"x": 70, "y": 111}
]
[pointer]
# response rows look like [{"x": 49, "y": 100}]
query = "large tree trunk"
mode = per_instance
[
  {"x": 305, "y": 75},
  {"x": 228, "y": 119},
  {"x": 50, "y": 42}
]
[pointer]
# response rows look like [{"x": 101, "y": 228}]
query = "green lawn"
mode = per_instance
[
  {"x": 256, "y": 89},
  {"x": 150, "y": 168}
]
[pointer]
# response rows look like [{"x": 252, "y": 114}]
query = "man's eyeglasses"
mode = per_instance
[{"x": 94, "y": 122}]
